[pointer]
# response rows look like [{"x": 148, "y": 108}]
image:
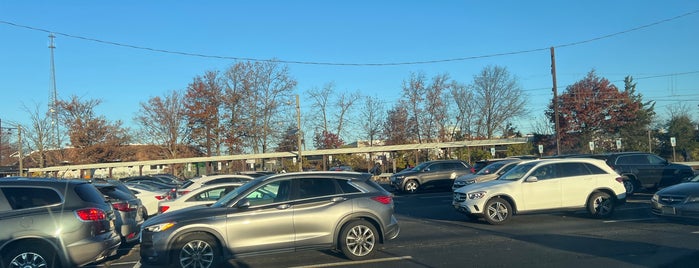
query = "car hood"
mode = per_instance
[
  {"x": 467, "y": 177},
  {"x": 687, "y": 188},
  {"x": 488, "y": 185}
]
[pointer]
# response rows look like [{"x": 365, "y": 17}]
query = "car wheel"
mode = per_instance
[
  {"x": 196, "y": 250},
  {"x": 358, "y": 240},
  {"x": 31, "y": 255},
  {"x": 631, "y": 187},
  {"x": 497, "y": 211},
  {"x": 411, "y": 186},
  {"x": 600, "y": 205}
]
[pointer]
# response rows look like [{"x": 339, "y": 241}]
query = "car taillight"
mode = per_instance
[
  {"x": 162, "y": 209},
  {"x": 161, "y": 197},
  {"x": 123, "y": 206},
  {"x": 620, "y": 179},
  {"x": 91, "y": 214},
  {"x": 384, "y": 199}
]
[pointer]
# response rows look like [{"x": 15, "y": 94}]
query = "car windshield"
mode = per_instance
[
  {"x": 694, "y": 179},
  {"x": 517, "y": 172},
  {"x": 490, "y": 169}
]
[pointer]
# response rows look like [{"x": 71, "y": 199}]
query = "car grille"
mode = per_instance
[
  {"x": 459, "y": 197},
  {"x": 671, "y": 199}
]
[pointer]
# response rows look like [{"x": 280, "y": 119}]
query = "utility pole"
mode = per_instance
[
  {"x": 53, "y": 100},
  {"x": 299, "y": 133},
  {"x": 555, "y": 102}
]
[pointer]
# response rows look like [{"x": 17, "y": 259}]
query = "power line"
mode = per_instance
[{"x": 352, "y": 64}]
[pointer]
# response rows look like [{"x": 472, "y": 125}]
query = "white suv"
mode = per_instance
[{"x": 537, "y": 185}]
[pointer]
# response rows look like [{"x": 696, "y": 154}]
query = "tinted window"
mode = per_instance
[
  {"x": 595, "y": 169},
  {"x": 114, "y": 193},
  {"x": 309, "y": 188},
  {"x": 655, "y": 160},
  {"x": 347, "y": 187},
  {"x": 88, "y": 193},
  {"x": 23, "y": 197},
  {"x": 571, "y": 169},
  {"x": 636, "y": 159}
]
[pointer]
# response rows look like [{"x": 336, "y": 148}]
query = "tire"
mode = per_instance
[
  {"x": 600, "y": 205},
  {"x": 631, "y": 186},
  {"x": 31, "y": 255},
  {"x": 411, "y": 186},
  {"x": 497, "y": 211},
  {"x": 196, "y": 250},
  {"x": 358, "y": 240}
]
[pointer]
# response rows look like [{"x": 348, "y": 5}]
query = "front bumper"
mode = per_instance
[{"x": 154, "y": 248}]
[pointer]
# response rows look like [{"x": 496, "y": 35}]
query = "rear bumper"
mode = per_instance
[{"x": 94, "y": 249}]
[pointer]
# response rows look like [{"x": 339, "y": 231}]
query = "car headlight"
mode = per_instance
[
  {"x": 159, "y": 227},
  {"x": 655, "y": 198},
  {"x": 476, "y": 195},
  {"x": 692, "y": 199},
  {"x": 470, "y": 181}
]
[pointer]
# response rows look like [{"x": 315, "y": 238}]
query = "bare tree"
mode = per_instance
[
  {"x": 435, "y": 119},
  {"x": 371, "y": 118},
  {"x": 498, "y": 98},
  {"x": 465, "y": 112},
  {"x": 345, "y": 103},
  {"x": 320, "y": 102},
  {"x": 38, "y": 135},
  {"x": 163, "y": 122},
  {"x": 258, "y": 102},
  {"x": 414, "y": 94}
]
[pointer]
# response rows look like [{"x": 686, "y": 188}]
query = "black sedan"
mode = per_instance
[{"x": 678, "y": 201}]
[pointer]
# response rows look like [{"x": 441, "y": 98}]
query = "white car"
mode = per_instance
[
  {"x": 538, "y": 185},
  {"x": 206, "y": 195},
  {"x": 149, "y": 196},
  {"x": 195, "y": 183}
]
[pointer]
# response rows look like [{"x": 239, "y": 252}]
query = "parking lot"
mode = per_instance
[{"x": 434, "y": 235}]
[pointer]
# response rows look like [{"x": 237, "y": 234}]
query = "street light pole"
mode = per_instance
[{"x": 299, "y": 133}]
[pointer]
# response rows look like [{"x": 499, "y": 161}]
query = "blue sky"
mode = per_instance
[{"x": 662, "y": 56}]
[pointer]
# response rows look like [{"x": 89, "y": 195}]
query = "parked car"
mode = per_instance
[
  {"x": 205, "y": 195},
  {"x": 155, "y": 178},
  {"x": 487, "y": 173},
  {"x": 195, "y": 183},
  {"x": 646, "y": 171},
  {"x": 54, "y": 223},
  {"x": 431, "y": 174},
  {"x": 129, "y": 209},
  {"x": 541, "y": 185},
  {"x": 480, "y": 164},
  {"x": 678, "y": 201},
  {"x": 150, "y": 196},
  {"x": 168, "y": 178},
  {"x": 345, "y": 211},
  {"x": 341, "y": 168}
]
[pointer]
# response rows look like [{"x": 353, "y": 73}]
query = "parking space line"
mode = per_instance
[
  {"x": 640, "y": 219},
  {"x": 355, "y": 262}
]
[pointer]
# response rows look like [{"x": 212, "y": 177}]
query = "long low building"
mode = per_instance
[{"x": 137, "y": 167}]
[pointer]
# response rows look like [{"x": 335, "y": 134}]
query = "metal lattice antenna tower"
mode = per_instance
[{"x": 53, "y": 99}]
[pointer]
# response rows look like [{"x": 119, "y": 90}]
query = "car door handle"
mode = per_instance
[
  {"x": 283, "y": 206},
  {"x": 338, "y": 199}
]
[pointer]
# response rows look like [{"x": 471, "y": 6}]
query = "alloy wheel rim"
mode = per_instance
[
  {"x": 497, "y": 212},
  {"x": 411, "y": 186},
  {"x": 360, "y": 240},
  {"x": 197, "y": 254},
  {"x": 28, "y": 260},
  {"x": 602, "y": 205}
]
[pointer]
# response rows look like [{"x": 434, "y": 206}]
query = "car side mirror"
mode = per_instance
[
  {"x": 243, "y": 203},
  {"x": 531, "y": 179},
  {"x": 426, "y": 169}
]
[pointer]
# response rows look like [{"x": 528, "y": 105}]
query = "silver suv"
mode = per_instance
[
  {"x": 345, "y": 211},
  {"x": 54, "y": 223},
  {"x": 430, "y": 174}
]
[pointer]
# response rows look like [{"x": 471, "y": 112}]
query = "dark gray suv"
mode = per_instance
[
  {"x": 430, "y": 174},
  {"x": 54, "y": 223},
  {"x": 345, "y": 211}
]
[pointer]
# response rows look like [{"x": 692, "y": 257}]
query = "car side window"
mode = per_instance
[
  {"x": 571, "y": 169},
  {"x": 655, "y": 160},
  {"x": 347, "y": 187},
  {"x": 544, "y": 172},
  {"x": 23, "y": 197},
  {"x": 276, "y": 191},
  {"x": 595, "y": 169},
  {"x": 315, "y": 187},
  {"x": 210, "y": 195}
]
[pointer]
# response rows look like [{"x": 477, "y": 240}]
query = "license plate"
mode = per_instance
[{"x": 668, "y": 210}]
